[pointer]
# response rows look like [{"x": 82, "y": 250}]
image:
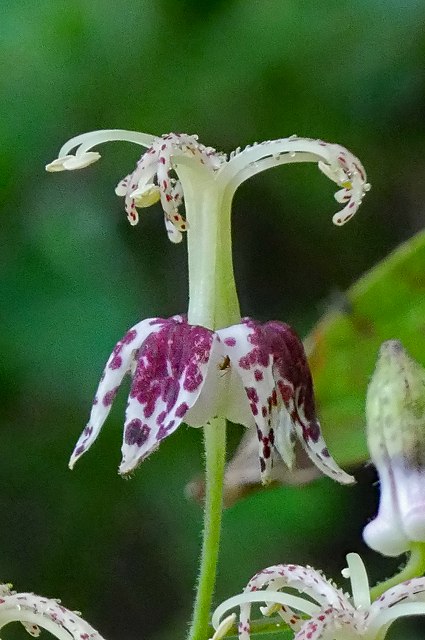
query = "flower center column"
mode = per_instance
[{"x": 213, "y": 303}]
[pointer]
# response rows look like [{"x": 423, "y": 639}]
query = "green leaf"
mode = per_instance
[{"x": 386, "y": 303}]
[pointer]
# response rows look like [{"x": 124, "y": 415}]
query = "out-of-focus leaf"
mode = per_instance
[{"x": 388, "y": 302}]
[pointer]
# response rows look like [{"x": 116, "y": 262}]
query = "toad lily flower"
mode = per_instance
[
  {"x": 196, "y": 369},
  {"x": 252, "y": 374},
  {"x": 331, "y": 615},
  {"x": 35, "y": 612},
  {"x": 211, "y": 366},
  {"x": 395, "y": 412}
]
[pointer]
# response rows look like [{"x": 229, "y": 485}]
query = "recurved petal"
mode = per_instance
[
  {"x": 254, "y": 365},
  {"x": 119, "y": 363},
  {"x": 170, "y": 374},
  {"x": 272, "y": 363},
  {"x": 295, "y": 390},
  {"x": 405, "y": 599}
]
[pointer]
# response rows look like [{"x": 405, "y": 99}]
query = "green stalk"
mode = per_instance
[
  {"x": 213, "y": 303},
  {"x": 414, "y": 568},
  {"x": 215, "y": 450}
]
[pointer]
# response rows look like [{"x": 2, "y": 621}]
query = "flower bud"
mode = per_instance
[{"x": 395, "y": 414}]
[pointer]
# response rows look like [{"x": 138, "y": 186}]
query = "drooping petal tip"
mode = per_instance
[
  {"x": 271, "y": 361},
  {"x": 72, "y": 162}
]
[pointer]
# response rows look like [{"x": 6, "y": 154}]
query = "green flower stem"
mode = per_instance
[
  {"x": 414, "y": 568},
  {"x": 215, "y": 453},
  {"x": 213, "y": 299},
  {"x": 213, "y": 303}
]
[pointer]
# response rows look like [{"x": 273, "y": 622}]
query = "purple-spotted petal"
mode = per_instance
[
  {"x": 305, "y": 580},
  {"x": 119, "y": 363},
  {"x": 309, "y": 433},
  {"x": 408, "y": 591},
  {"x": 36, "y": 611},
  {"x": 140, "y": 191},
  {"x": 171, "y": 369},
  {"x": 255, "y": 369},
  {"x": 271, "y": 361},
  {"x": 294, "y": 385}
]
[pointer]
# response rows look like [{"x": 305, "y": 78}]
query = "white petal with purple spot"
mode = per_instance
[
  {"x": 255, "y": 371},
  {"x": 171, "y": 370},
  {"x": 119, "y": 363},
  {"x": 36, "y": 611}
]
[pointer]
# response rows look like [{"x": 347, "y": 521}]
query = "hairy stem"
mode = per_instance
[
  {"x": 414, "y": 568},
  {"x": 215, "y": 450}
]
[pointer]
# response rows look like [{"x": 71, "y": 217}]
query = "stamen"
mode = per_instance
[
  {"x": 270, "y": 609},
  {"x": 225, "y": 625},
  {"x": 146, "y": 196},
  {"x": 172, "y": 151},
  {"x": 359, "y": 581},
  {"x": 86, "y": 141},
  {"x": 82, "y": 143}
]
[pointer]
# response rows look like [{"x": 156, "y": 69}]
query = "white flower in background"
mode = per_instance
[
  {"x": 253, "y": 374},
  {"x": 212, "y": 364},
  {"x": 323, "y": 612},
  {"x": 395, "y": 413},
  {"x": 36, "y": 611}
]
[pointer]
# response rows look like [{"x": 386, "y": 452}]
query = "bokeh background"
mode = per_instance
[{"x": 75, "y": 275}]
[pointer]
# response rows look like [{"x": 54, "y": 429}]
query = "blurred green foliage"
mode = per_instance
[
  {"x": 387, "y": 301},
  {"x": 75, "y": 275}
]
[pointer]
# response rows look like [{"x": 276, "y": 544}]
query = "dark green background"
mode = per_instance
[{"x": 75, "y": 275}]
